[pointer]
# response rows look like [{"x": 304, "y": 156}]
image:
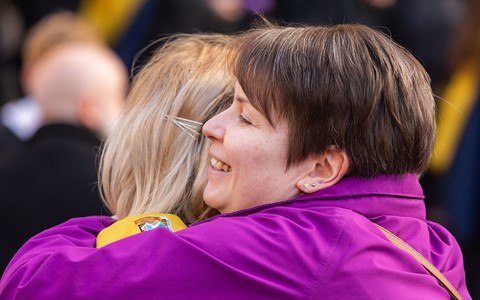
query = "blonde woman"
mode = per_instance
[{"x": 151, "y": 160}]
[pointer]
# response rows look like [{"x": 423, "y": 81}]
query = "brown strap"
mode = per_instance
[{"x": 428, "y": 265}]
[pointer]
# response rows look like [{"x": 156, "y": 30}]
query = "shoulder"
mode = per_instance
[
  {"x": 365, "y": 258},
  {"x": 296, "y": 243},
  {"x": 283, "y": 232},
  {"x": 285, "y": 222},
  {"x": 66, "y": 138}
]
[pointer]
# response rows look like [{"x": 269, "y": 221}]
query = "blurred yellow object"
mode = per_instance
[
  {"x": 110, "y": 17},
  {"x": 136, "y": 224},
  {"x": 453, "y": 113}
]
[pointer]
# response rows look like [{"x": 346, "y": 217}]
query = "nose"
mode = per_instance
[{"x": 214, "y": 129}]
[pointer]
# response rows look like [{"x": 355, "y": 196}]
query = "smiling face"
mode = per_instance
[{"x": 249, "y": 159}]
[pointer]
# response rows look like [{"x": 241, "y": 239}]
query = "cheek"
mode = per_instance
[
  {"x": 258, "y": 163},
  {"x": 257, "y": 150}
]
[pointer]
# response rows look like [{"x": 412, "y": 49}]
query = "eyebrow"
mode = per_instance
[{"x": 242, "y": 99}]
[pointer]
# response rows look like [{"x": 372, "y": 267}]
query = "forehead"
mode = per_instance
[
  {"x": 271, "y": 116},
  {"x": 240, "y": 94}
]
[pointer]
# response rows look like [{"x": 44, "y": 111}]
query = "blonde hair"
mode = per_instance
[{"x": 149, "y": 164}]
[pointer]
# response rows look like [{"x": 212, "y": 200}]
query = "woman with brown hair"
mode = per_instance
[{"x": 314, "y": 168}]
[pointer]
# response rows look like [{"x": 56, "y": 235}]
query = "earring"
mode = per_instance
[
  {"x": 306, "y": 185},
  {"x": 314, "y": 184}
]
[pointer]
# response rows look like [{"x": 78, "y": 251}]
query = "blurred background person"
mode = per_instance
[
  {"x": 23, "y": 116},
  {"x": 80, "y": 89},
  {"x": 130, "y": 26},
  {"x": 424, "y": 27},
  {"x": 10, "y": 143},
  {"x": 456, "y": 163}
]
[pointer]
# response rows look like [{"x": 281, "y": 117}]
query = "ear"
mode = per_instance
[
  {"x": 326, "y": 170},
  {"x": 88, "y": 114},
  {"x": 25, "y": 80}
]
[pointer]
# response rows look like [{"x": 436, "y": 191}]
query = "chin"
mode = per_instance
[{"x": 210, "y": 201}]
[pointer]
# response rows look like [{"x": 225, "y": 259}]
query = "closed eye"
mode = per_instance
[{"x": 244, "y": 120}]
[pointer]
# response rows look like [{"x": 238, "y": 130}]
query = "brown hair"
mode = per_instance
[{"x": 345, "y": 85}]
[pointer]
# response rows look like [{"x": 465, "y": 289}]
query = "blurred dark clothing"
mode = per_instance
[
  {"x": 10, "y": 145},
  {"x": 460, "y": 187},
  {"x": 34, "y": 10},
  {"x": 157, "y": 19},
  {"x": 460, "y": 193},
  {"x": 52, "y": 181},
  {"x": 328, "y": 12},
  {"x": 425, "y": 28}
]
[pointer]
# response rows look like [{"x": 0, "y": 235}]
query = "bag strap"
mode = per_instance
[{"x": 421, "y": 259}]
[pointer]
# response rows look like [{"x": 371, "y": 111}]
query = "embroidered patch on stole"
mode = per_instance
[{"x": 150, "y": 222}]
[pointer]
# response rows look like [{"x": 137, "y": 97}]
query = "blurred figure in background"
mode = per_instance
[
  {"x": 130, "y": 26},
  {"x": 456, "y": 163},
  {"x": 79, "y": 86},
  {"x": 23, "y": 116},
  {"x": 424, "y": 27}
]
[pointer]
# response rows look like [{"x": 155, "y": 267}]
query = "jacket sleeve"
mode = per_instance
[
  {"x": 225, "y": 258},
  {"x": 63, "y": 263},
  {"x": 73, "y": 238}
]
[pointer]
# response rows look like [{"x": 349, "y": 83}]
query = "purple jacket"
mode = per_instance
[{"x": 317, "y": 246}]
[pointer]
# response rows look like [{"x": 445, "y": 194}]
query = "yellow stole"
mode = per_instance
[{"x": 136, "y": 224}]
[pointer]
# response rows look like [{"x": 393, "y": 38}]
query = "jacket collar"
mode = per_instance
[{"x": 399, "y": 195}]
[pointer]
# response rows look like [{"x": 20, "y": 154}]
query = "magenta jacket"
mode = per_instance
[{"x": 317, "y": 246}]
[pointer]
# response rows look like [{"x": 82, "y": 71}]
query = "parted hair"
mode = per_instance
[
  {"x": 149, "y": 164},
  {"x": 344, "y": 85}
]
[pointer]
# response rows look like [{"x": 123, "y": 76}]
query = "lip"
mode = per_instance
[{"x": 212, "y": 172}]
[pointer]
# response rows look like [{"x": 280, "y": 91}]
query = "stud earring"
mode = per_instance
[
  {"x": 314, "y": 184},
  {"x": 306, "y": 185}
]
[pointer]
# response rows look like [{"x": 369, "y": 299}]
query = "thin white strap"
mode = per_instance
[{"x": 421, "y": 259}]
